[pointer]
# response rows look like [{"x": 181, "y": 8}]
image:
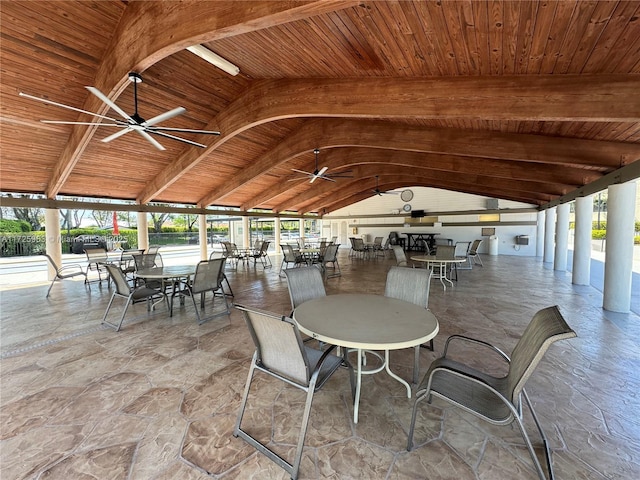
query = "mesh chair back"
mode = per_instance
[
  {"x": 120, "y": 281},
  {"x": 264, "y": 248},
  {"x": 409, "y": 284},
  {"x": 473, "y": 250},
  {"x": 289, "y": 255},
  {"x": 146, "y": 260},
  {"x": 446, "y": 252},
  {"x": 304, "y": 284},
  {"x": 53, "y": 264},
  {"x": 208, "y": 275},
  {"x": 401, "y": 258},
  {"x": 330, "y": 253},
  {"x": 279, "y": 347},
  {"x": 546, "y": 327}
]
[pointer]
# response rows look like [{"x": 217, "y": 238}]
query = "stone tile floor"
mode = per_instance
[{"x": 159, "y": 398}]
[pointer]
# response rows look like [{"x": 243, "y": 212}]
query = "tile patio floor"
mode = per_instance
[{"x": 159, "y": 399}]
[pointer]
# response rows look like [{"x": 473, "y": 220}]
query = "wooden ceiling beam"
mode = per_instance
[
  {"x": 377, "y": 160},
  {"x": 151, "y": 31},
  {"x": 331, "y": 132},
  {"x": 423, "y": 174}
]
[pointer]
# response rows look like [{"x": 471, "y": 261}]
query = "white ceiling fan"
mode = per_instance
[
  {"x": 131, "y": 123},
  {"x": 377, "y": 190},
  {"x": 320, "y": 173}
]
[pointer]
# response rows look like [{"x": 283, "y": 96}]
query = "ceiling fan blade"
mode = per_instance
[
  {"x": 183, "y": 130},
  {"x": 60, "y": 122},
  {"x": 44, "y": 100},
  {"x": 324, "y": 177},
  {"x": 164, "y": 116},
  {"x": 111, "y": 104},
  {"x": 173, "y": 137},
  {"x": 151, "y": 140},
  {"x": 309, "y": 174},
  {"x": 322, "y": 170},
  {"x": 116, "y": 135}
]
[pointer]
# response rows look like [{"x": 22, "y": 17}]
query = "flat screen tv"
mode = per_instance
[{"x": 417, "y": 213}]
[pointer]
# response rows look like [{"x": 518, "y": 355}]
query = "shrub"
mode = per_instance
[
  {"x": 598, "y": 234},
  {"x": 14, "y": 226}
]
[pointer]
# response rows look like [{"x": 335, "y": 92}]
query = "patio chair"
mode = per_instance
[
  {"x": 497, "y": 400},
  {"x": 304, "y": 284},
  {"x": 289, "y": 256},
  {"x": 66, "y": 271},
  {"x": 127, "y": 262},
  {"x": 377, "y": 247},
  {"x": 261, "y": 254},
  {"x": 208, "y": 278},
  {"x": 359, "y": 248},
  {"x": 473, "y": 253},
  {"x": 233, "y": 254},
  {"x": 411, "y": 285},
  {"x": 330, "y": 256},
  {"x": 145, "y": 261},
  {"x": 96, "y": 259},
  {"x": 225, "y": 280},
  {"x": 462, "y": 251},
  {"x": 401, "y": 258},
  {"x": 445, "y": 252},
  {"x": 281, "y": 354},
  {"x": 131, "y": 294}
]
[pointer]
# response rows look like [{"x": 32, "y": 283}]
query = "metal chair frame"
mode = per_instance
[
  {"x": 66, "y": 271},
  {"x": 496, "y": 400},
  {"x": 281, "y": 354}
]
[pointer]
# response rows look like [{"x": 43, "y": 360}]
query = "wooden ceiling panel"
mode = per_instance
[{"x": 53, "y": 49}]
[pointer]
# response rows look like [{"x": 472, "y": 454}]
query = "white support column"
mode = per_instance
[
  {"x": 540, "y": 234},
  {"x": 143, "y": 230},
  {"x": 53, "y": 245},
  {"x": 618, "y": 260},
  {"x": 276, "y": 233},
  {"x": 549, "y": 234},
  {"x": 202, "y": 236},
  {"x": 582, "y": 241},
  {"x": 562, "y": 238},
  {"x": 245, "y": 232},
  {"x": 301, "y": 230}
]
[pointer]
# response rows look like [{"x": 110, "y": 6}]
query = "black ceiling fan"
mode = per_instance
[
  {"x": 320, "y": 173},
  {"x": 131, "y": 122},
  {"x": 377, "y": 190}
]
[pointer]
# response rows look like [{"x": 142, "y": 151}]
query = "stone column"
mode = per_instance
[
  {"x": 540, "y": 234},
  {"x": 549, "y": 234},
  {"x": 143, "y": 230},
  {"x": 53, "y": 245},
  {"x": 621, "y": 204},
  {"x": 562, "y": 238},
  {"x": 582, "y": 242}
]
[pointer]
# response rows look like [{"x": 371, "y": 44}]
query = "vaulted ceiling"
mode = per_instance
[{"x": 525, "y": 101}]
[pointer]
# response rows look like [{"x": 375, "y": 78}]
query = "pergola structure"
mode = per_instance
[{"x": 526, "y": 101}]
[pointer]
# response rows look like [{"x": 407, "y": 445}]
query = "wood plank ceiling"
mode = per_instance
[{"x": 524, "y": 101}]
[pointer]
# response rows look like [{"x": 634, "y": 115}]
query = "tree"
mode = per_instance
[
  {"x": 158, "y": 219},
  {"x": 186, "y": 220},
  {"x": 34, "y": 216}
]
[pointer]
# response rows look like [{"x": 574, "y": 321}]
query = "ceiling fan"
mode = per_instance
[
  {"x": 130, "y": 123},
  {"x": 321, "y": 172},
  {"x": 377, "y": 190}
]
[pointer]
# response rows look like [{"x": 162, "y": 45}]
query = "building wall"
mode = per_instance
[{"x": 360, "y": 218}]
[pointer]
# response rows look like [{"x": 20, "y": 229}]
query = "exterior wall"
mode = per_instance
[{"x": 430, "y": 199}]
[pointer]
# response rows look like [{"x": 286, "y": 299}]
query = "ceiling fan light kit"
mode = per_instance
[
  {"x": 132, "y": 122},
  {"x": 214, "y": 59}
]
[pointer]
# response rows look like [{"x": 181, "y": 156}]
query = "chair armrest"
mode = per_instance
[
  {"x": 68, "y": 268},
  {"x": 476, "y": 342}
]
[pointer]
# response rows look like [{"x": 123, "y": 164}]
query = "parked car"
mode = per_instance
[{"x": 87, "y": 241}]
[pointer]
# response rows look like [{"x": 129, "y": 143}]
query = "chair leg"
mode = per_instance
[
  {"x": 51, "y": 286},
  {"x": 547, "y": 452}
]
